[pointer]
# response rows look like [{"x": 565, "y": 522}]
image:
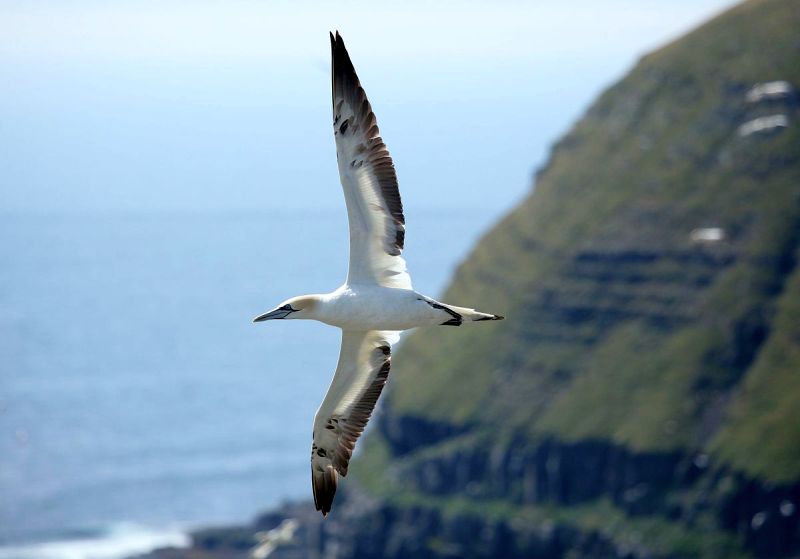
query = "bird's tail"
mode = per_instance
[
  {"x": 471, "y": 315},
  {"x": 463, "y": 315}
]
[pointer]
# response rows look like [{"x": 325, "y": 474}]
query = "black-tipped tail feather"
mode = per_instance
[
  {"x": 492, "y": 317},
  {"x": 460, "y": 315}
]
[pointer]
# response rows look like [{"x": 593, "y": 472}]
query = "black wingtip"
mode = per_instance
[
  {"x": 344, "y": 79},
  {"x": 341, "y": 58},
  {"x": 324, "y": 485},
  {"x": 336, "y": 39}
]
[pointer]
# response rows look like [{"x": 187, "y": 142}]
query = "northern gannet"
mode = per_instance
[{"x": 377, "y": 300}]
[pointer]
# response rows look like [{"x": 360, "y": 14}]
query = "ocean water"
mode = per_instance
[{"x": 137, "y": 400}]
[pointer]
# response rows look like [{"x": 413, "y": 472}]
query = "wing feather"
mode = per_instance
[
  {"x": 361, "y": 374},
  {"x": 366, "y": 170}
]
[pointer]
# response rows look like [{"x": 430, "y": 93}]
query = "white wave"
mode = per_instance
[{"x": 122, "y": 540}]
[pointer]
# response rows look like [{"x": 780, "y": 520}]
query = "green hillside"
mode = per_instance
[
  {"x": 623, "y": 330},
  {"x": 618, "y": 325}
]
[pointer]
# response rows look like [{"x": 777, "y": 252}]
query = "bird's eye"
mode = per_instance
[{"x": 287, "y": 308}]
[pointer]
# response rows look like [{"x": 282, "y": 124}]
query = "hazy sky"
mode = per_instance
[{"x": 159, "y": 105}]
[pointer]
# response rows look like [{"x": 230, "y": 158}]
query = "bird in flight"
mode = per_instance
[{"x": 377, "y": 300}]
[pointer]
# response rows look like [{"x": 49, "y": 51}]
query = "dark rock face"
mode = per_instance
[
  {"x": 407, "y": 433},
  {"x": 373, "y": 530},
  {"x": 766, "y": 517},
  {"x": 553, "y": 472},
  {"x": 426, "y": 534}
]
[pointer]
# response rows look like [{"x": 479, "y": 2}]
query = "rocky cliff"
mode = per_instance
[{"x": 643, "y": 397}]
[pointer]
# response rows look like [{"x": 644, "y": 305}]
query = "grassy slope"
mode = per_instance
[
  {"x": 618, "y": 327},
  {"x": 764, "y": 424}
]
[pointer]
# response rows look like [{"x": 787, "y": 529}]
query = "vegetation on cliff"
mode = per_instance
[{"x": 629, "y": 329}]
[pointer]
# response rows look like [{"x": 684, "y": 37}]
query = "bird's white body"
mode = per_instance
[
  {"x": 377, "y": 300},
  {"x": 373, "y": 307}
]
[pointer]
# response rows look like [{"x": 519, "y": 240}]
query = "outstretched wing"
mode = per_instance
[
  {"x": 361, "y": 374},
  {"x": 374, "y": 209}
]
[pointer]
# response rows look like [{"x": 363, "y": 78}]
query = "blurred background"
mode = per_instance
[{"x": 167, "y": 172}]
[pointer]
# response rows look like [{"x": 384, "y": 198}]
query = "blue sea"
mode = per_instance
[{"x": 137, "y": 399}]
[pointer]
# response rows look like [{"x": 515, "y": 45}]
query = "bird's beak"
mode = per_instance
[{"x": 273, "y": 315}]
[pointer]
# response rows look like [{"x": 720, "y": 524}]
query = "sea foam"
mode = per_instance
[{"x": 119, "y": 541}]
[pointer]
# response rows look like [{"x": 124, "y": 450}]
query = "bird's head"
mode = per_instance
[{"x": 296, "y": 307}]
